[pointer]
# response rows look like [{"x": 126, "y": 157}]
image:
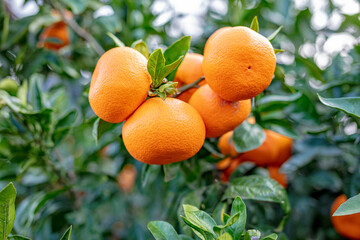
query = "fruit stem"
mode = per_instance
[{"x": 189, "y": 86}]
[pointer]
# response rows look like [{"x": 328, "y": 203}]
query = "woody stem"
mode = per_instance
[{"x": 191, "y": 85}]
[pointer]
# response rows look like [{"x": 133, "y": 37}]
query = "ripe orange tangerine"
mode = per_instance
[
  {"x": 163, "y": 131},
  {"x": 239, "y": 63}
]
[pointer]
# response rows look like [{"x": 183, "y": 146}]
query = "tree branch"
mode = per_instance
[
  {"x": 76, "y": 27},
  {"x": 189, "y": 86}
]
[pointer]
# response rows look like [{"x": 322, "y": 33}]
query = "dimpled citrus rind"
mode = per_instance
[
  {"x": 219, "y": 115},
  {"x": 163, "y": 131},
  {"x": 212, "y": 36},
  {"x": 190, "y": 69},
  {"x": 239, "y": 63},
  {"x": 120, "y": 83},
  {"x": 226, "y": 145}
]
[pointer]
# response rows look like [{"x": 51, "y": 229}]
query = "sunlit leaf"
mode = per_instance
[
  {"x": 141, "y": 46},
  {"x": 169, "y": 68},
  {"x": 237, "y": 229},
  {"x": 162, "y": 231},
  {"x": 175, "y": 51},
  {"x": 351, "y": 206},
  {"x": 200, "y": 219},
  {"x": 155, "y": 65},
  {"x": 349, "y": 105},
  {"x": 225, "y": 236},
  {"x": 255, "y": 24},
  {"x": 7, "y": 213}
]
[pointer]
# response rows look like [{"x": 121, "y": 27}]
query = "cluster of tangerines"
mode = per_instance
[
  {"x": 238, "y": 64},
  {"x": 272, "y": 153}
]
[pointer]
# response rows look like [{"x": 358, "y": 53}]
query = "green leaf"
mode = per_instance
[
  {"x": 77, "y": 7},
  {"x": 168, "y": 88},
  {"x": 17, "y": 30},
  {"x": 43, "y": 20},
  {"x": 18, "y": 237},
  {"x": 278, "y": 51},
  {"x": 141, "y": 46},
  {"x": 36, "y": 100},
  {"x": 225, "y": 236},
  {"x": 200, "y": 219},
  {"x": 149, "y": 173},
  {"x": 272, "y": 236},
  {"x": 47, "y": 197},
  {"x": 67, "y": 234},
  {"x": 7, "y": 213},
  {"x": 273, "y": 35},
  {"x": 237, "y": 229},
  {"x": 278, "y": 99},
  {"x": 155, "y": 65},
  {"x": 9, "y": 85},
  {"x": 22, "y": 92},
  {"x": 255, "y": 24},
  {"x": 175, "y": 51},
  {"x": 116, "y": 40},
  {"x": 248, "y": 136},
  {"x": 170, "y": 67},
  {"x": 351, "y": 206},
  {"x": 236, "y": 221},
  {"x": 201, "y": 233},
  {"x": 5, "y": 28},
  {"x": 282, "y": 129},
  {"x": 171, "y": 171},
  {"x": 184, "y": 237},
  {"x": 349, "y": 105},
  {"x": 225, "y": 217},
  {"x": 311, "y": 67},
  {"x": 218, "y": 228},
  {"x": 67, "y": 120},
  {"x": 162, "y": 230},
  {"x": 210, "y": 148},
  {"x": 14, "y": 103},
  {"x": 305, "y": 157},
  {"x": 193, "y": 198},
  {"x": 262, "y": 189},
  {"x": 100, "y": 128},
  {"x": 252, "y": 234}
]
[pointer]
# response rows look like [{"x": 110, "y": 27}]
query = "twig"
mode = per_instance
[
  {"x": 189, "y": 86},
  {"x": 79, "y": 30}
]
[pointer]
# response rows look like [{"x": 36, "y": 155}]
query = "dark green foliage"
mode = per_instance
[{"x": 64, "y": 161}]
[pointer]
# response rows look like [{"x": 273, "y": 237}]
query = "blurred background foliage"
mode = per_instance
[{"x": 64, "y": 162}]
